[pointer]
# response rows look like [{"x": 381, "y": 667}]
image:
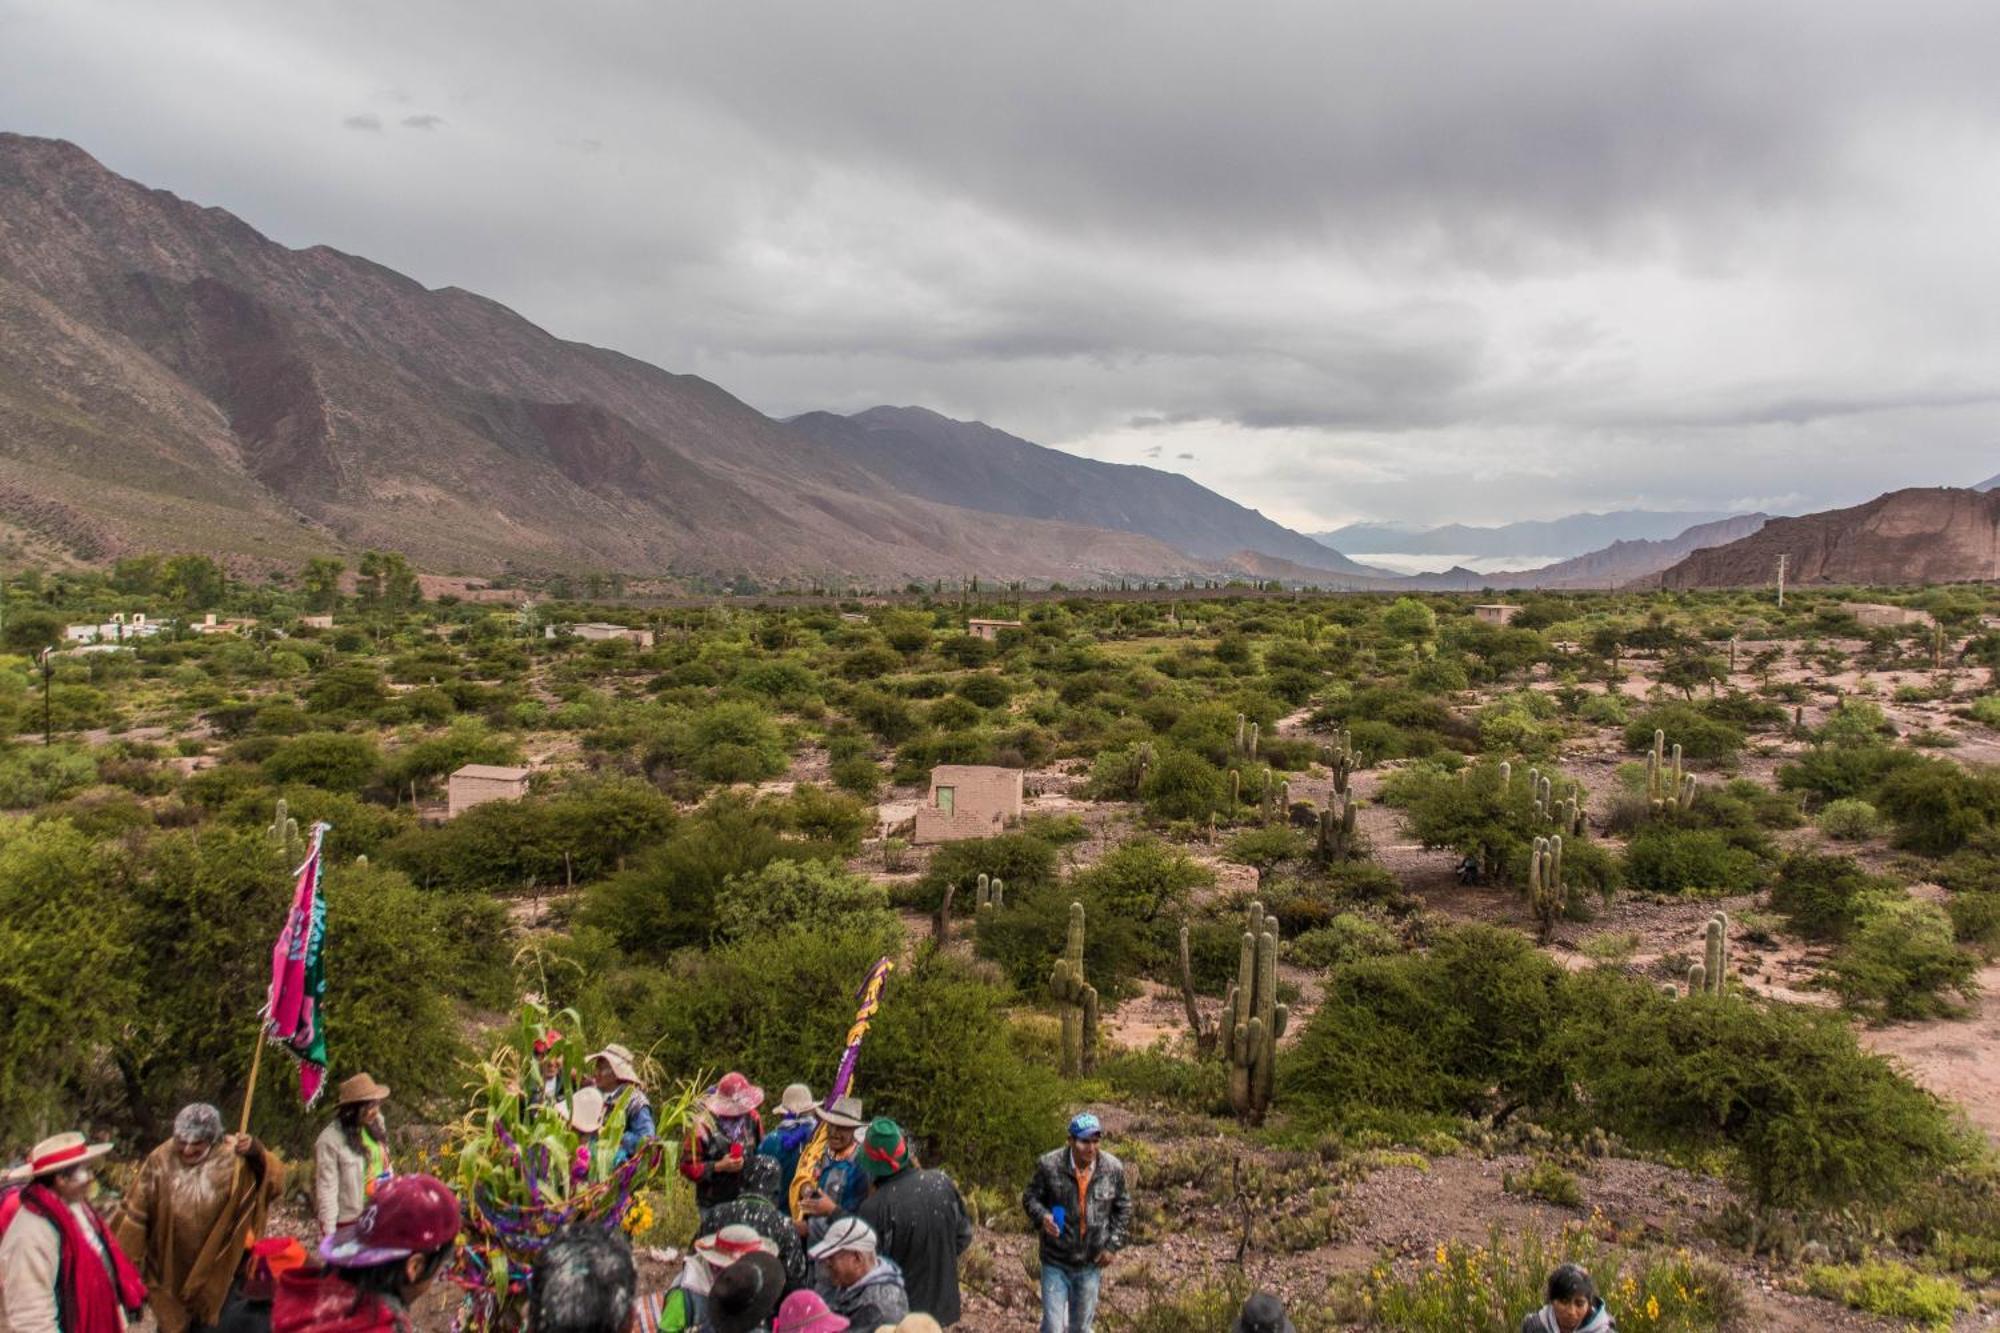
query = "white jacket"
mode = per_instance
[{"x": 30, "y": 1258}]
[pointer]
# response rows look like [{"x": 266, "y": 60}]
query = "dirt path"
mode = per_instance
[{"x": 1959, "y": 1061}]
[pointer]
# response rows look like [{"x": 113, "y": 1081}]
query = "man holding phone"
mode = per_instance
[{"x": 1079, "y": 1201}]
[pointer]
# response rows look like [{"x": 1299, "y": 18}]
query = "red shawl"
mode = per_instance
[{"x": 85, "y": 1299}]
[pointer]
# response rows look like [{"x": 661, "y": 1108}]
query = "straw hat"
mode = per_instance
[
  {"x": 845, "y": 1113},
  {"x": 54, "y": 1155},
  {"x": 736, "y": 1241},
  {"x": 620, "y": 1061},
  {"x": 797, "y": 1099},
  {"x": 361, "y": 1088},
  {"x": 586, "y": 1110}
]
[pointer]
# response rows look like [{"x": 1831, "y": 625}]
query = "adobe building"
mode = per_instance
[
  {"x": 1495, "y": 613},
  {"x": 476, "y": 784},
  {"x": 597, "y": 632},
  {"x": 1880, "y": 615},
  {"x": 968, "y": 801},
  {"x": 989, "y": 630}
]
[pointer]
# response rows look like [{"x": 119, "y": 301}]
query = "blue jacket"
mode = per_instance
[{"x": 638, "y": 1120}]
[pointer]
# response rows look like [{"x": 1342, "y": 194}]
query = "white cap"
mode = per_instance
[{"x": 847, "y": 1234}]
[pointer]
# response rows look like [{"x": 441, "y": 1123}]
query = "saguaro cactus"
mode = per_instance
[
  {"x": 1545, "y": 887},
  {"x": 1253, "y": 1019},
  {"x": 1077, "y": 999},
  {"x": 992, "y": 893}
]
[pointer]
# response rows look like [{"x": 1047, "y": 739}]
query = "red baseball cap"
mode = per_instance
[{"x": 409, "y": 1215}]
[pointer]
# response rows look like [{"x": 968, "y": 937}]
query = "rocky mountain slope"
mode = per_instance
[
  {"x": 977, "y": 466},
  {"x": 1921, "y": 535},
  {"x": 171, "y": 379},
  {"x": 1614, "y": 566}
]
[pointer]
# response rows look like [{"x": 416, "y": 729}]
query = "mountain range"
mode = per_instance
[
  {"x": 171, "y": 378},
  {"x": 977, "y": 466},
  {"x": 1614, "y": 566},
  {"x": 1547, "y": 539}
]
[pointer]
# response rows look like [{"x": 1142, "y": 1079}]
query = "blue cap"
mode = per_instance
[{"x": 1085, "y": 1126}]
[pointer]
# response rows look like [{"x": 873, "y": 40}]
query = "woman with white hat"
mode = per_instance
[
  {"x": 618, "y": 1079},
  {"x": 351, "y": 1157},
  {"x": 60, "y": 1266}
]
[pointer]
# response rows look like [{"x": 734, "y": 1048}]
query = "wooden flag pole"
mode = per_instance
[{"x": 249, "y": 1096}]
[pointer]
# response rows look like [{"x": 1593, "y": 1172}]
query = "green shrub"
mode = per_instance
[
  {"x": 1849, "y": 819},
  {"x": 1832, "y": 772},
  {"x": 1183, "y": 785},
  {"x": 1143, "y": 879},
  {"x": 1703, "y": 739},
  {"x": 1826, "y": 896},
  {"x": 1162, "y": 1078},
  {"x": 1663, "y": 859},
  {"x": 1347, "y": 938},
  {"x": 734, "y": 742},
  {"x": 1021, "y": 858},
  {"x": 38, "y": 775},
  {"x": 1900, "y": 960},
  {"x": 1975, "y": 922},
  {"x": 805, "y": 895},
  {"x": 858, "y": 775},
  {"x": 328, "y": 759},
  {"x": 1545, "y": 1180},
  {"x": 1938, "y": 807},
  {"x": 572, "y": 836},
  {"x": 1886, "y": 1287}
]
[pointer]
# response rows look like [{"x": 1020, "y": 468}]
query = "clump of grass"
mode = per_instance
[
  {"x": 1488, "y": 1288},
  {"x": 1545, "y": 1180},
  {"x": 1886, "y": 1287}
]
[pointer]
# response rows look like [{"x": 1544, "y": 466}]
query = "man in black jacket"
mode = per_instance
[
  {"x": 919, "y": 1220},
  {"x": 1079, "y": 1201}
]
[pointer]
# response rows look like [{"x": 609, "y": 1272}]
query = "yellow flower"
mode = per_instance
[
  {"x": 1441, "y": 1254},
  {"x": 1652, "y": 1307}
]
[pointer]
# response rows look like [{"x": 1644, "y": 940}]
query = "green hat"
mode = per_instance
[{"x": 884, "y": 1149}]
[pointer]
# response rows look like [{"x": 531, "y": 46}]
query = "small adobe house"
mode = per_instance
[
  {"x": 1495, "y": 613},
  {"x": 989, "y": 630},
  {"x": 968, "y": 801},
  {"x": 476, "y": 784}
]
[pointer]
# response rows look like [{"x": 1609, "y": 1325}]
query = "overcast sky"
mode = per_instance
[{"x": 1430, "y": 261}]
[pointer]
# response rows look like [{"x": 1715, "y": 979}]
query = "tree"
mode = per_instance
[
  {"x": 320, "y": 581},
  {"x": 194, "y": 581},
  {"x": 387, "y": 582},
  {"x": 1409, "y": 621}
]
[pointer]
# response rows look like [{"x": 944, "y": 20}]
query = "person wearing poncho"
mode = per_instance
[
  {"x": 918, "y": 1218},
  {"x": 617, "y": 1077},
  {"x": 60, "y": 1267},
  {"x": 185, "y": 1219}
]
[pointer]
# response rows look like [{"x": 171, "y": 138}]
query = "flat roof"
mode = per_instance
[{"x": 493, "y": 771}]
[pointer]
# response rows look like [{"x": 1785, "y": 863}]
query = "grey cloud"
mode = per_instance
[{"x": 1460, "y": 259}]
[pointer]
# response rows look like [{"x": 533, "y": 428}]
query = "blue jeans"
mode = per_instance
[{"x": 1069, "y": 1297}]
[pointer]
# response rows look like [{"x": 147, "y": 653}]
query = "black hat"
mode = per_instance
[
  {"x": 744, "y": 1294},
  {"x": 1262, "y": 1313}
]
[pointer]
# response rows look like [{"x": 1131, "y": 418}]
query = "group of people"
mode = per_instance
[{"x": 874, "y": 1244}]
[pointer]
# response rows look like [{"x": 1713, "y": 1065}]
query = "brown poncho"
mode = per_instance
[{"x": 186, "y": 1229}]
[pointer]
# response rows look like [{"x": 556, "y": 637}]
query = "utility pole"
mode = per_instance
[{"x": 1782, "y": 559}]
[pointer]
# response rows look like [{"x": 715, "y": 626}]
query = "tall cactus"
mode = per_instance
[
  {"x": 1667, "y": 788},
  {"x": 1203, "y": 1034},
  {"x": 1715, "y": 954},
  {"x": 992, "y": 893},
  {"x": 1336, "y": 837},
  {"x": 1253, "y": 1019},
  {"x": 1545, "y": 887},
  {"x": 1341, "y": 759},
  {"x": 283, "y": 832},
  {"x": 1235, "y": 789},
  {"x": 1077, "y": 999}
]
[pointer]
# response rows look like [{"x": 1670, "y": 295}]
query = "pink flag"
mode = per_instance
[{"x": 293, "y": 1011}]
